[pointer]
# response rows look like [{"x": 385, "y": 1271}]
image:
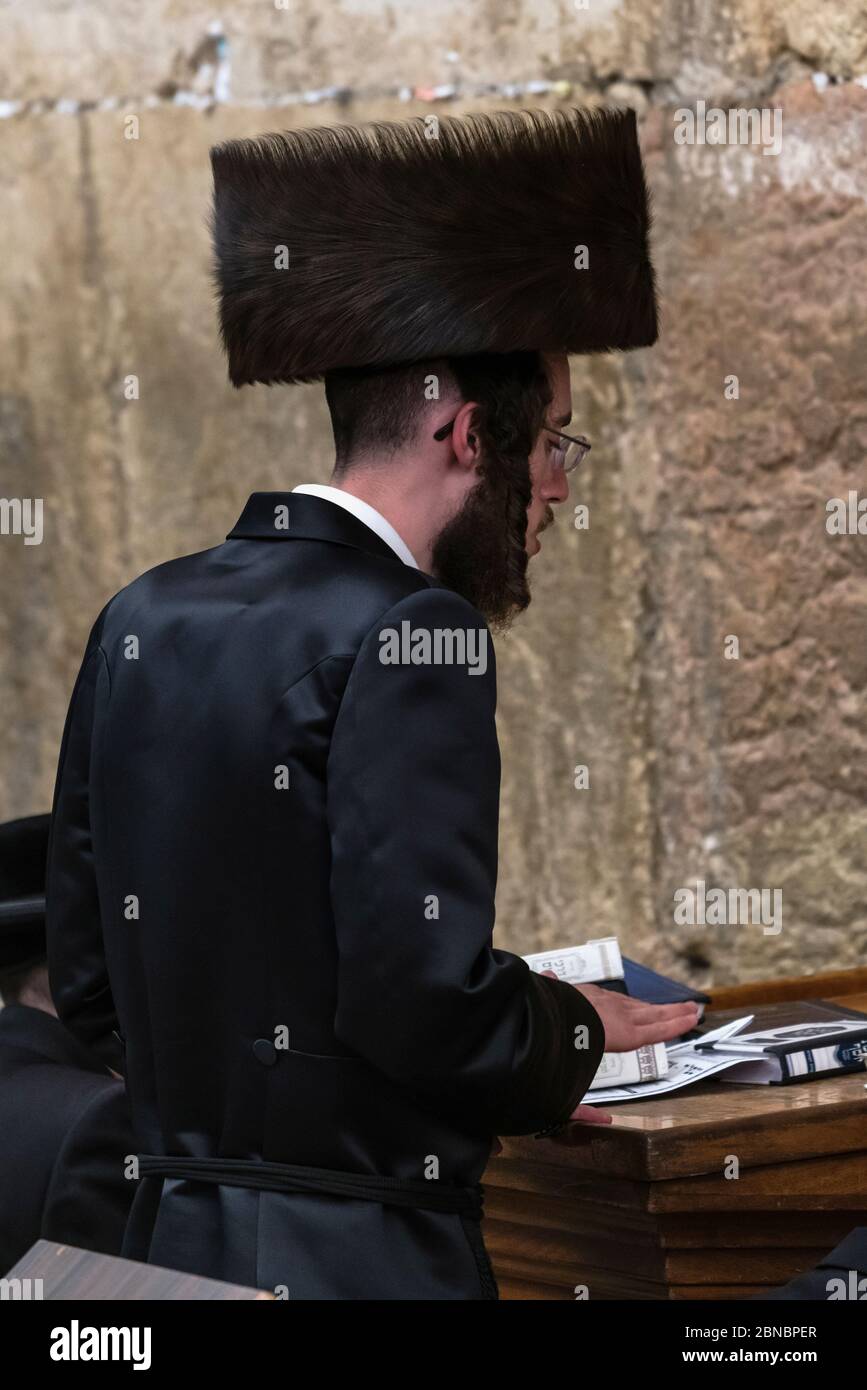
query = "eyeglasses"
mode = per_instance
[
  {"x": 571, "y": 450},
  {"x": 567, "y": 454}
]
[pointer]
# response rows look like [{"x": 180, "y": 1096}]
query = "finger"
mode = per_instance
[
  {"x": 647, "y": 1013},
  {"x": 646, "y": 1033},
  {"x": 591, "y": 1115},
  {"x": 687, "y": 1009},
  {"x": 667, "y": 1025}
]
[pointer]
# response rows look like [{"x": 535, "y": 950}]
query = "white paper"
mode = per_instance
[
  {"x": 686, "y": 1068},
  {"x": 581, "y": 965},
  {"x": 629, "y": 1068}
]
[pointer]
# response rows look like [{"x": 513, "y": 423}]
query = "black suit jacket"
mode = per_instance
[
  {"x": 66, "y": 1131},
  {"x": 271, "y": 880}
]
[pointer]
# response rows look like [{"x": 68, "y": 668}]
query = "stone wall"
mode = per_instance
[{"x": 707, "y": 508}]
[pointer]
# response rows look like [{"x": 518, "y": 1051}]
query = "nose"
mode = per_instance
[{"x": 556, "y": 486}]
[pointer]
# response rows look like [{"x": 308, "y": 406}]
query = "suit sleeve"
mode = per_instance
[
  {"x": 413, "y": 797},
  {"x": 76, "y": 954},
  {"x": 89, "y": 1197}
]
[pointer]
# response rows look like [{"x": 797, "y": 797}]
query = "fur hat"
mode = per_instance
[
  {"x": 23, "y": 851},
  {"x": 439, "y": 236}
]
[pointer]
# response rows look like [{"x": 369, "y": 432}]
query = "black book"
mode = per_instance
[{"x": 798, "y": 1041}]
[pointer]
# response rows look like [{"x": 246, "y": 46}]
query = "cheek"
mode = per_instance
[
  {"x": 538, "y": 459},
  {"x": 536, "y": 468}
]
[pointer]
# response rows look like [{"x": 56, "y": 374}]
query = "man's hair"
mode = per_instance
[
  {"x": 376, "y": 411},
  {"x": 481, "y": 552}
]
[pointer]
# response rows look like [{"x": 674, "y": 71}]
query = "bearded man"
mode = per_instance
[{"x": 274, "y": 856}]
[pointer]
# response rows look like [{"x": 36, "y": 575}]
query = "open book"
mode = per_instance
[
  {"x": 817, "y": 1040},
  {"x": 778, "y": 1045}
]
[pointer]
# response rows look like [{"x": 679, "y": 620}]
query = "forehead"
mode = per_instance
[{"x": 557, "y": 367}]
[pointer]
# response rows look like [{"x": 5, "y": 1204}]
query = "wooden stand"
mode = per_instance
[{"x": 642, "y": 1208}]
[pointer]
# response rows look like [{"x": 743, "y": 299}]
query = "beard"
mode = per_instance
[{"x": 481, "y": 553}]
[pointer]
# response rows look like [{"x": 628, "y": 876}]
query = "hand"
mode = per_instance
[
  {"x": 589, "y": 1114},
  {"x": 630, "y": 1023}
]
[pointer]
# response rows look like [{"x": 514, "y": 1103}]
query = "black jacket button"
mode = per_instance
[{"x": 265, "y": 1052}]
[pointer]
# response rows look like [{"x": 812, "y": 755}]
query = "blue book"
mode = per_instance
[{"x": 640, "y": 982}]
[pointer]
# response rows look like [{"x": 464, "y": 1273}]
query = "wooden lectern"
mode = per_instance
[{"x": 642, "y": 1209}]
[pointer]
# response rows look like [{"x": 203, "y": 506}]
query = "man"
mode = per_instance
[
  {"x": 64, "y": 1120},
  {"x": 274, "y": 856}
]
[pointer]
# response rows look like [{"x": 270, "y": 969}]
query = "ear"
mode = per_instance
[{"x": 465, "y": 438}]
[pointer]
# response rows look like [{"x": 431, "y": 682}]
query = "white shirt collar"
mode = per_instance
[{"x": 365, "y": 513}]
